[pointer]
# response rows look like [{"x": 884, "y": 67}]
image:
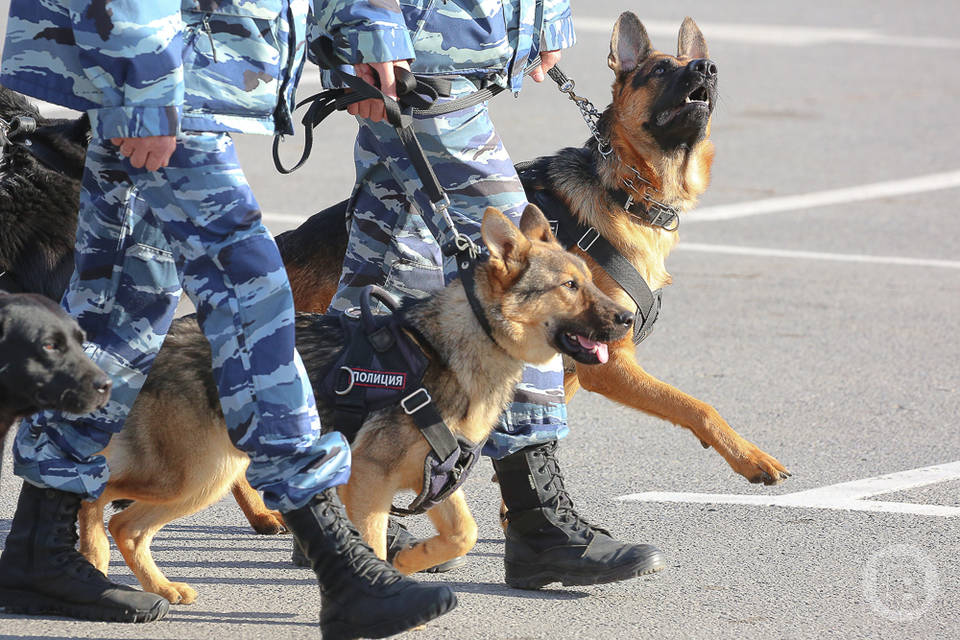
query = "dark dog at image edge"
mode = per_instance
[
  {"x": 42, "y": 363},
  {"x": 174, "y": 456}
]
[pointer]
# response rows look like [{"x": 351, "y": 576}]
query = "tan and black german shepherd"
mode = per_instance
[
  {"x": 658, "y": 124},
  {"x": 174, "y": 456}
]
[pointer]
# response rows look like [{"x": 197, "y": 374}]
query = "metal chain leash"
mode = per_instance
[
  {"x": 588, "y": 112},
  {"x": 591, "y": 117}
]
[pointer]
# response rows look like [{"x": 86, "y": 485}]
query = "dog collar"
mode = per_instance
[{"x": 647, "y": 209}]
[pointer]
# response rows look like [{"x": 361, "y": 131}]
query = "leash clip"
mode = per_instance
[{"x": 423, "y": 403}]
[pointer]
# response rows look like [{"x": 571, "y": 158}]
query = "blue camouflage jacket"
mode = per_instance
[
  {"x": 467, "y": 37},
  {"x": 156, "y": 67}
]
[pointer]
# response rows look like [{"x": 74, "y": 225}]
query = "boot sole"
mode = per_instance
[
  {"x": 344, "y": 631},
  {"x": 32, "y": 603},
  {"x": 523, "y": 576}
]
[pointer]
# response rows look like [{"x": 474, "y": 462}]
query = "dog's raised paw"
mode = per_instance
[{"x": 760, "y": 467}]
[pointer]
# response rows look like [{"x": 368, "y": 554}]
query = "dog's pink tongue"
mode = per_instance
[{"x": 599, "y": 349}]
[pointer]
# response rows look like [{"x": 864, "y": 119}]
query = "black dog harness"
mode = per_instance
[
  {"x": 379, "y": 366},
  {"x": 571, "y": 233}
]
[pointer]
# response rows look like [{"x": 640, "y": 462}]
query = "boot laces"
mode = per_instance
[
  {"x": 558, "y": 497},
  {"x": 352, "y": 548},
  {"x": 66, "y": 535}
]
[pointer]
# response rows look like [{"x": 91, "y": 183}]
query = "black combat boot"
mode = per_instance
[
  {"x": 398, "y": 539},
  {"x": 547, "y": 541},
  {"x": 42, "y": 572},
  {"x": 361, "y": 596}
]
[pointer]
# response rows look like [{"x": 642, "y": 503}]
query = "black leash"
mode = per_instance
[{"x": 412, "y": 94}]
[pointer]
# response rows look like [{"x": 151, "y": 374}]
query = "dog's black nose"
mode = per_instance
[
  {"x": 704, "y": 66},
  {"x": 102, "y": 385},
  {"x": 624, "y": 317}
]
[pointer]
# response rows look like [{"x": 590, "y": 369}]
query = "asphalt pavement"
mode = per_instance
[{"x": 815, "y": 304}]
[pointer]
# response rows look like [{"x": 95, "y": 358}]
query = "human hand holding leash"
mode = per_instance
[
  {"x": 151, "y": 152},
  {"x": 382, "y": 75},
  {"x": 548, "y": 59}
]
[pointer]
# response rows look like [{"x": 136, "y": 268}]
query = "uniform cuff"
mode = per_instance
[
  {"x": 558, "y": 34},
  {"x": 382, "y": 44},
  {"x": 134, "y": 122}
]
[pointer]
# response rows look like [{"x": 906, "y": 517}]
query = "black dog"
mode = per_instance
[
  {"x": 42, "y": 363},
  {"x": 38, "y": 204}
]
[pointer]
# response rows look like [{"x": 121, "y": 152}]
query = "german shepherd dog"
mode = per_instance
[
  {"x": 174, "y": 456},
  {"x": 659, "y": 125}
]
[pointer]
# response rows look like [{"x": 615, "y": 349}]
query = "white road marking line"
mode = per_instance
[
  {"x": 846, "y": 496},
  {"x": 773, "y": 34},
  {"x": 295, "y": 219},
  {"x": 817, "y": 255},
  {"x": 285, "y": 218},
  {"x": 872, "y": 191}
]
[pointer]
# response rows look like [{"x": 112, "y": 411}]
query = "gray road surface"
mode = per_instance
[{"x": 801, "y": 324}]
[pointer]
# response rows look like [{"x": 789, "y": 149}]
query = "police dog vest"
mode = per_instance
[{"x": 381, "y": 366}]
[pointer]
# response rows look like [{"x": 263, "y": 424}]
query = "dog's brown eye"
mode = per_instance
[
  {"x": 50, "y": 346},
  {"x": 571, "y": 284}
]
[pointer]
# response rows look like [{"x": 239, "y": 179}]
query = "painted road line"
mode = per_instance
[
  {"x": 817, "y": 255},
  {"x": 774, "y": 34},
  {"x": 846, "y": 496},
  {"x": 296, "y": 220},
  {"x": 872, "y": 191}
]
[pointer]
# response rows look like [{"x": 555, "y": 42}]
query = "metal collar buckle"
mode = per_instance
[
  {"x": 596, "y": 236},
  {"x": 427, "y": 400},
  {"x": 664, "y": 217}
]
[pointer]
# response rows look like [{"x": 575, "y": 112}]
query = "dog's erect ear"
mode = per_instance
[
  {"x": 504, "y": 240},
  {"x": 691, "y": 44},
  {"x": 535, "y": 226},
  {"x": 630, "y": 44}
]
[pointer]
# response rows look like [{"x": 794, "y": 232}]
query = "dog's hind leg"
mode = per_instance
[
  {"x": 623, "y": 380},
  {"x": 263, "y": 520},
  {"x": 456, "y": 535},
  {"x": 133, "y": 530},
  {"x": 94, "y": 544}
]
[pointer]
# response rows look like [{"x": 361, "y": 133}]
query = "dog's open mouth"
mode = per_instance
[
  {"x": 699, "y": 98},
  {"x": 583, "y": 349}
]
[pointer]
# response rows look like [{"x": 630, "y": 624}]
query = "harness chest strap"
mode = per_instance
[{"x": 571, "y": 232}]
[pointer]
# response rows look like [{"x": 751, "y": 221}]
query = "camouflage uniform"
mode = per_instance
[
  {"x": 470, "y": 43},
  {"x": 195, "y": 69}
]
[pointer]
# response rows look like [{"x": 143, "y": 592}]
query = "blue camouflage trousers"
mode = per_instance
[
  {"x": 141, "y": 236},
  {"x": 390, "y": 245}
]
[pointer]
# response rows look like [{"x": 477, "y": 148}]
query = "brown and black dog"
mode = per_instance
[
  {"x": 657, "y": 124},
  {"x": 174, "y": 456}
]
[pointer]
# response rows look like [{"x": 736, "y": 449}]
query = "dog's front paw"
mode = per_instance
[
  {"x": 177, "y": 593},
  {"x": 758, "y": 466},
  {"x": 268, "y": 523}
]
